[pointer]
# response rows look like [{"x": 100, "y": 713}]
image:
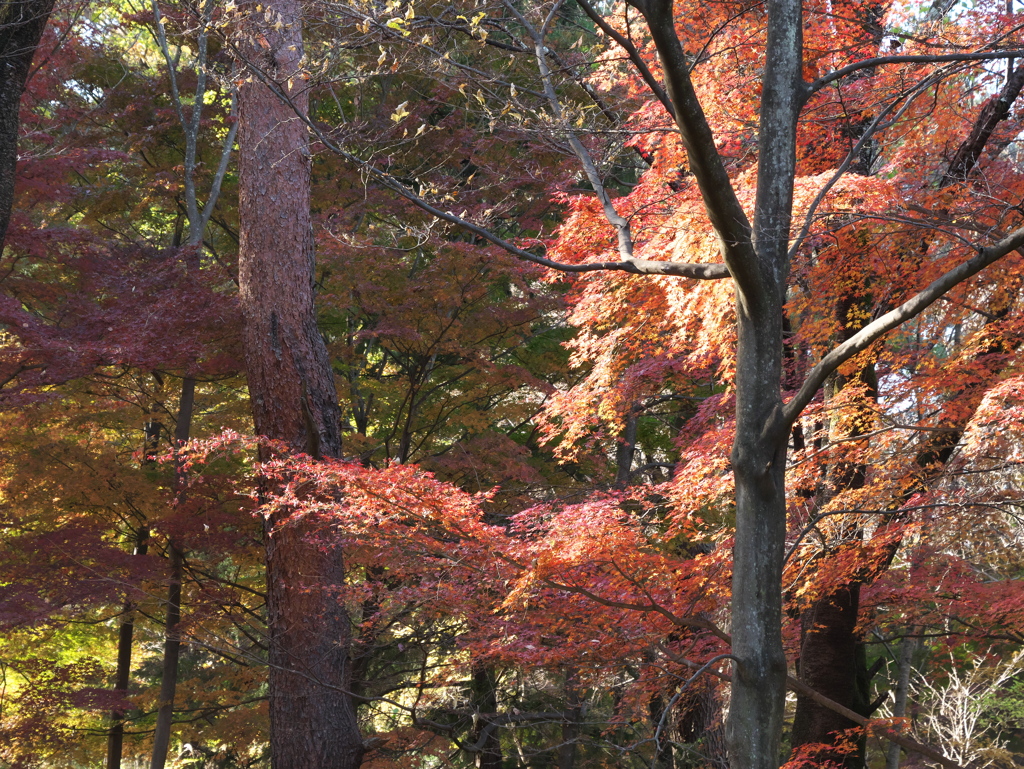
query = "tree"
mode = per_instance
[
  {"x": 576, "y": 613},
  {"x": 757, "y": 258},
  {"x": 92, "y": 280},
  {"x": 291, "y": 387}
]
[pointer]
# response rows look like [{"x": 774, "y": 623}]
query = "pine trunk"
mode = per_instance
[{"x": 291, "y": 388}]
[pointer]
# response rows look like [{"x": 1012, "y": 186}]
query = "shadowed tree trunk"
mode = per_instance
[
  {"x": 169, "y": 669},
  {"x": 122, "y": 677},
  {"x": 21, "y": 27},
  {"x": 291, "y": 387},
  {"x": 571, "y": 725},
  {"x": 485, "y": 735},
  {"x": 172, "y": 634},
  {"x": 832, "y": 658}
]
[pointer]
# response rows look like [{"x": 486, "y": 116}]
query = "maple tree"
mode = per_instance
[{"x": 757, "y": 257}]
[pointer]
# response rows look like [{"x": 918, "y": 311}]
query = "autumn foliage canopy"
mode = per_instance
[{"x": 556, "y": 289}]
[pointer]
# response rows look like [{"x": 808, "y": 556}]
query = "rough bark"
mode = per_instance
[
  {"x": 828, "y": 656},
  {"x": 832, "y": 660},
  {"x": 21, "y": 27},
  {"x": 291, "y": 388}
]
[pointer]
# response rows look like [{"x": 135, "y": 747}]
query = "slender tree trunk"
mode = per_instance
[
  {"x": 125, "y": 635},
  {"x": 899, "y": 705},
  {"x": 625, "y": 450},
  {"x": 759, "y": 679},
  {"x": 21, "y": 27},
  {"x": 664, "y": 757},
  {"x": 485, "y": 703},
  {"x": 172, "y": 637},
  {"x": 291, "y": 388},
  {"x": 571, "y": 725},
  {"x": 169, "y": 674}
]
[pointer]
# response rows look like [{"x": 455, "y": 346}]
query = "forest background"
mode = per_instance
[{"x": 503, "y": 513}]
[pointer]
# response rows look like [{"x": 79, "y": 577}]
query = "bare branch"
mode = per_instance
[
  {"x": 800, "y": 687},
  {"x": 869, "y": 133},
  {"x": 218, "y": 177},
  {"x": 632, "y": 52},
  {"x": 939, "y": 58},
  {"x": 723, "y": 207},
  {"x": 634, "y": 266},
  {"x": 888, "y": 732},
  {"x": 621, "y": 225}
]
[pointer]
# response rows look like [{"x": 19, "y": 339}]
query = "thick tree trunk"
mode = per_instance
[
  {"x": 832, "y": 660},
  {"x": 759, "y": 459},
  {"x": 759, "y": 451},
  {"x": 828, "y": 657},
  {"x": 829, "y": 663},
  {"x": 291, "y": 387},
  {"x": 21, "y": 27}
]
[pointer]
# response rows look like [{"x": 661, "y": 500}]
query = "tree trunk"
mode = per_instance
[
  {"x": 664, "y": 756},
  {"x": 829, "y": 663},
  {"x": 172, "y": 635},
  {"x": 21, "y": 27},
  {"x": 828, "y": 657},
  {"x": 169, "y": 671},
  {"x": 899, "y": 705},
  {"x": 758, "y": 261},
  {"x": 291, "y": 388},
  {"x": 485, "y": 733},
  {"x": 756, "y": 714},
  {"x": 832, "y": 660},
  {"x": 125, "y": 635},
  {"x": 759, "y": 461},
  {"x": 571, "y": 725},
  {"x": 625, "y": 449}
]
